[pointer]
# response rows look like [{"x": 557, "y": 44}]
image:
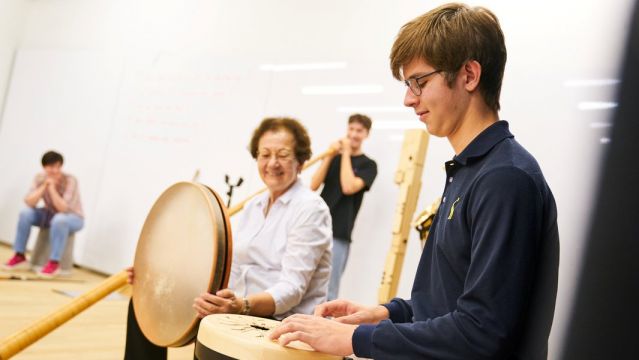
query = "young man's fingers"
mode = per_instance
[
  {"x": 353, "y": 319},
  {"x": 321, "y": 310},
  {"x": 280, "y": 330},
  {"x": 293, "y": 323},
  {"x": 332, "y": 308},
  {"x": 293, "y": 336}
]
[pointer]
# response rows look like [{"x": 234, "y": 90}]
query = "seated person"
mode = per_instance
[
  {"x": 62, "y": 212},
  {"x": 282, "y": 243}
]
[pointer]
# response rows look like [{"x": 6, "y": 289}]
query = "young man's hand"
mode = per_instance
[
  {"x": 335, "y": 148},
  {"x": 346, "y": 145},
  {"x": 348, "y": 312},
  {"x": 323, "y": 335}
]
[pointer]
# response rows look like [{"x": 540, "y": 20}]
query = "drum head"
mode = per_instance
[{"x": 184, "y": 250}]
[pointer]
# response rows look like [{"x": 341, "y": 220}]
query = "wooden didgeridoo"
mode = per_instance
[{"x": 20, "y": 340}]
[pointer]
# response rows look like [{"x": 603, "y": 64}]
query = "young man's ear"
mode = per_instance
[{"x": 472, "y": 75}]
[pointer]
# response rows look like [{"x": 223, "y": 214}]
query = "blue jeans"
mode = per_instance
[
  {"x": 341, "y": 248},
  {"x": 61, "y": 225}
]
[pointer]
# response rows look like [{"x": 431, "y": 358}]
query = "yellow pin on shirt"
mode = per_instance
[{"x": 452, "y": 209}]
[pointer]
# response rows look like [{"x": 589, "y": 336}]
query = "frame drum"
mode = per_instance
[
  {"x": 230, "y": 336},
  {"x": 184, "y": 250}
]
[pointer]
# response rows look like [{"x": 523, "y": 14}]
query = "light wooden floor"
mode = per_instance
[{"x": 97, "y": 333}]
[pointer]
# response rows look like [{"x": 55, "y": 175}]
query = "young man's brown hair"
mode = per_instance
[
  {"x": 363, "y": 120},
  {"x": 451, "y": 35}
]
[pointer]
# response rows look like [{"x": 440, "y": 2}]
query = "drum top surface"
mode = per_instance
[
  {"x": 180, "y": 254},
  {"x": 246, "y": 337}
]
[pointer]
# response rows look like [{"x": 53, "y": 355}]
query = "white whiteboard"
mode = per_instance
[
  {"x": 62, "y": 101},
  {"x": 128, "y": 129}
]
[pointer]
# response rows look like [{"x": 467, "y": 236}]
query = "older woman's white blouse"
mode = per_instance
[{"x": 287, "y": 253}]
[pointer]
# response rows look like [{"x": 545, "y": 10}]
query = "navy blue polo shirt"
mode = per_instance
[{"x": 486, "y": 282}]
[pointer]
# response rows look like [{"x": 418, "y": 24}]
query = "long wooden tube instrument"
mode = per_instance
[{"x": 22, "y": 339}]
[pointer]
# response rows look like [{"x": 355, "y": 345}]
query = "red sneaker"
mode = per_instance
[
  {"x": 17, "y": 262},
  {"x": 51, "y": 269}
]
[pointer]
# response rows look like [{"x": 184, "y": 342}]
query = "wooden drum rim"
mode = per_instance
[
  {"x": 187, "y": 221},
  {"x": 224, "y": 214}
]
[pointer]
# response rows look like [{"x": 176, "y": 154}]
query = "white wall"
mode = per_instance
[
  {"x": 12, "y": 17},
  {"x": 124, "y": 60}
]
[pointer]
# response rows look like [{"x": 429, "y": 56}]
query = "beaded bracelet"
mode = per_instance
[{"x": 247, "y": 307}]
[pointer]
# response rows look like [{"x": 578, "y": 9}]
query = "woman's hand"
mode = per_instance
[{"x": 222, "y": 302}]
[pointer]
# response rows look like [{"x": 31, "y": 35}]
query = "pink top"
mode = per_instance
[{"x": 67, "y": 188}]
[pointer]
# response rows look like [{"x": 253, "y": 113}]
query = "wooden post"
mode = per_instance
[{"x": 408, "y": 177}]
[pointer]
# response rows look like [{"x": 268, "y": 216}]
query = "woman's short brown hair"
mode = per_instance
[
  {"x": 300, "y": 136},
  {"x": 450, "y": 35}
]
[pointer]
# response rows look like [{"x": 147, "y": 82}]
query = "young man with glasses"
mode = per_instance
[
  {"x": 486, "y": 283},
  {"x": 346, "y": 174}
]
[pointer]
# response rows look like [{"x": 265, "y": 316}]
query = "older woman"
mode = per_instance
[{"x": 281, "y": 249}]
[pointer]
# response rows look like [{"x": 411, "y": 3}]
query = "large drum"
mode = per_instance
[
  {"x": 184, "y": 250},
  {"x": 227, "y": 336}
]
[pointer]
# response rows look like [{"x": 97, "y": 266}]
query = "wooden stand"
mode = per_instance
[{"x": 408, "y": 177}]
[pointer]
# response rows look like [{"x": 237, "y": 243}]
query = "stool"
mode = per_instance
[{"x": 42, "y": 251}]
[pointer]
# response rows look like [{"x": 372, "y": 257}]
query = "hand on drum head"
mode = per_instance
[
  {"x": 348, "y": 312},
  {"x": 223, "y": 302},
  {"x": 321, "y": 334}
]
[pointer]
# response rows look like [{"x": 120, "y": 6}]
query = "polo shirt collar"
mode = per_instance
[{"x": 484, "y": 142}]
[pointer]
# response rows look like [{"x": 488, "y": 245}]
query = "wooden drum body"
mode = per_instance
[
  {"x": 229, "y": 336},
  {"x": 184, "y": 250}
]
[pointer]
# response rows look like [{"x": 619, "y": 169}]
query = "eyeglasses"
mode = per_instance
[
  {"x": 415, "y": 86},
  {"x": 281, "y": 155}
]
